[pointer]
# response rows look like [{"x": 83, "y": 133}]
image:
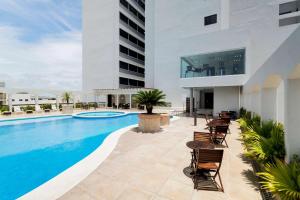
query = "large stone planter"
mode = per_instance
[
  {"x": 164, "y": 119},
  {"x": 149, "y": 123},
  {"x": 67, "y": 109}
]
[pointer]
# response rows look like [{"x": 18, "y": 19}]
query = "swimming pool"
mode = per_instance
[{"x": 33, "y": 151}]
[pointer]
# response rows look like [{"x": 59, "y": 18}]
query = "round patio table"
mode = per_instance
[{"x": 196, "y": 145}]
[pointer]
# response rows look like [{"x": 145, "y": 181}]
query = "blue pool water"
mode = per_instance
[{"x": 35, "y": 150}]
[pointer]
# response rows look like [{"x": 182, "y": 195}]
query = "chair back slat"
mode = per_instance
[
  {"x": 203, "y": 137},
  {"x": 210, "y": 155}
]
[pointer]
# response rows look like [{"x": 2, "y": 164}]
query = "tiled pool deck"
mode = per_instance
[{"x": 150, "y": 166}]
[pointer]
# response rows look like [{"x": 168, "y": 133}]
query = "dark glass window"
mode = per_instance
[
  {"x": 123, "y": 65},
  {"x": 133, "y": 39},
  {"x": 133, "y": 82},
  {"x": 123, "y": 49},
  {"x": 133, "y": 68},
  {"x": 131, "y": 53},
  {"x": 212, "y": 19},
  {"x": 141, "y": 17},
  {"x": 289, "y": 7},
  {"x": 132, "y": 24},
  {"x": 140, "y": 30},
  {"x": 141, "y": 70},
  {"x": 124, "y": 3},
  {"x": 123, "y": 18},
  {"x": 123, "y": 81},
  {"x": 123, "y": 34},
  {"x": 141, "y": 83}
]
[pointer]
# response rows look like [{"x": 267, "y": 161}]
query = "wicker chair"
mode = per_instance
[{"x": 209, "y": 161}]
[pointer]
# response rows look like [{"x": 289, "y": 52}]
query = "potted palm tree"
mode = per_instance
[
  {"x": 150, "y": 122},
  {"x": 67, "y": 108}
]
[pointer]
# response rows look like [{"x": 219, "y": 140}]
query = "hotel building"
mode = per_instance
[
  {"x": 207, "y": 56},
  {"x": 113, "y": 44},
  {"x": 224, "y": 54}
]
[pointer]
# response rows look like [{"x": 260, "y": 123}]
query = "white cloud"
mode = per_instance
[{"x": 51, "y": 63}]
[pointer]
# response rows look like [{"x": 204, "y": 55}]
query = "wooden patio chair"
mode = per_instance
[
  {"x": 209, "y": 161},
  {"x": 220, "y": 134},
  {"x": 203, "y": 137}
]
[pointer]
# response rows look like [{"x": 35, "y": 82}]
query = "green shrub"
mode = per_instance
[
  {"x": 282, "y": 179},
  {"x": 92, "y": 105},
  {"x": 78, "y": 105},
  {"x": 28, "y": 107},
  {"x": 265, "y": 146},
  {"x": 4, "y": 108},
  {"x": 46, "y": 106},
  {"x": 243, "y": 112}
]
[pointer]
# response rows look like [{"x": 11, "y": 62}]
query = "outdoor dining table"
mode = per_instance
[{"x": 196, "y": 145}]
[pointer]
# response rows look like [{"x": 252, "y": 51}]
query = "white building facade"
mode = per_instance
[
  {"x": 2, "y": 94},
  {"x": 224, "y": 54},
  {"x": 113, "y": 44}
]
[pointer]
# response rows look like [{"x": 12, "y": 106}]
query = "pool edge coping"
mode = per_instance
[{"x": 65, "y": 181}]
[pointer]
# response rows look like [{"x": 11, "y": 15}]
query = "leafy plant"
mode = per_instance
[
  {"x": 46, "y": 106},
  {"x": 67, "y": 97},
  {"x": 265, "y": 148},
  {"x": 4, "y": 108},
  {"x": 150, "y": 98},
  {"x": 28, "y": 107},
  {"x": 242, "y": 112},
  {"x": 282, "y": 179}
]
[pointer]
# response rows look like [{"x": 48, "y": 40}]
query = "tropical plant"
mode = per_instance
[
  {"x": 242, "y": 112},
  {"x": 150, "y": 98},
  {"x": 28, "y": 107},
  {"x": 282, "y": 179},
  {"x": 265, "y": 148},
  {"x": 67, "y": 97},
  {"x": 4, "y": 108},
  {"x": 46, "y": 106}
]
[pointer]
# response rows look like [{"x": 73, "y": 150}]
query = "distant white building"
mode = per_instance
[
  {"x": 24, "y": 98},
  {"x": 224, "y": 54}
]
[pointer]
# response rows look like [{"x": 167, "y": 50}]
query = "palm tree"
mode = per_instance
[
  {"x": 150, "y": 98},
  {"x": 282, "y": 179},
  {"x": 67, "y": 97}
]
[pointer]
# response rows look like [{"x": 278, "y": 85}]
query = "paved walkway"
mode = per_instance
[{"x": 150, "y": 166}]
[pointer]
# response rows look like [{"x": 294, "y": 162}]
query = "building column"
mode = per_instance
[
  {"x": 9, "y": 101},
  {"x": 117, "y": 101},
  {"x": 57, "y": 102},
  {"x": 36, "y": 100},
  {"x": 130, "y": 101},
  {"x": 106, "y": 102},
  {"x": 191, "y": 101}
]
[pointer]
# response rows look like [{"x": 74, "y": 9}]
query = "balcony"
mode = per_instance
[{"x": 213, "y": 64}]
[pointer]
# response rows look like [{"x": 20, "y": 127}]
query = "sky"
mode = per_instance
[{"x": 40, "y": 44}]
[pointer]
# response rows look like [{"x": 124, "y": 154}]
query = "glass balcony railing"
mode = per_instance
[{"x": 213, "y": 64}]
